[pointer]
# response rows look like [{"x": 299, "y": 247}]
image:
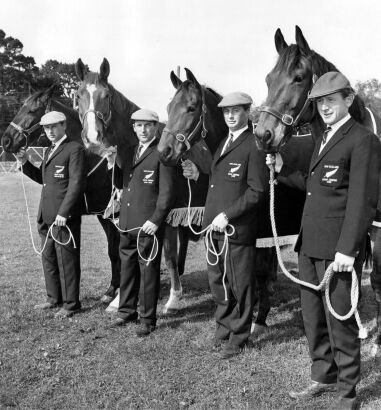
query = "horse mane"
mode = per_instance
[
  {"x": 291, "y": 58},
  {"x": 121, "y": 102}
]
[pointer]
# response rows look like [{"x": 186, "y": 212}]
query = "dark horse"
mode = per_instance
[
  {"x": 106, "y": 119},
  {"x": 192, "y": 115},
  {"x": 25, "y": 130},
  {"x": 287, "y": 108}
]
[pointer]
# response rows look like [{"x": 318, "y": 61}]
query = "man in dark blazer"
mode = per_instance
[
  {"x": 62, "y": 175},
  {"x": 341, "y": 201},
  {"x": 238, "y": 181},
  {"x": 148, "y": 194}
]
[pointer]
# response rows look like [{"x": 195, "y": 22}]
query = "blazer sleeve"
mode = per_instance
[
  {"x": 166, "y": 197},
  {"x": 362, "y": 194},
  {"x": 257, "y": 181},
  {"x": 292, "y": 178},
  {"x": 32, "y": 172},
  {"x": 77, "y": 181}
]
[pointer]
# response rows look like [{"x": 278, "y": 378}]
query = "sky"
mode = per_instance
[{"x": 227, "y": 44}]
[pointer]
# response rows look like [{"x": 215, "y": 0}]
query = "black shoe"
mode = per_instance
[
  {"x": 145, "y": 329},
  {"x": 64, "y": 313},
  {"x": 119, "y": 321},
  {"x": 230, "y": 351},
  {"x": 218, "y": 344},
  {"x": 45, "y": 306},
  {"x": 312, "y": 390},
  {"x": 345, "y": 403}
]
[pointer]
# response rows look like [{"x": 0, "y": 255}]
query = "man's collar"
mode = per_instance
[
  {"x": 56, "y": 144},
  {"x": 237, "y": 133},
  {"x": 147, "y": 144},
  {"x": 338, "y": 124}
]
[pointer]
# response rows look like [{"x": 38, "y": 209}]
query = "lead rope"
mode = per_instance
[
  {"x": 363, "y": 333},
  {"x": 50, "y": 230},
  {"x": 155, "y": 245},
  {"x": 209, "y": 244}
]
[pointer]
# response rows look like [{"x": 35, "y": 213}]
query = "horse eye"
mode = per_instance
[
  {"x": 191, "y": 109},
  {"x": 298, "y": 79}
]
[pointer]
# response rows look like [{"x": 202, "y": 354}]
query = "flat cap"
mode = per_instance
[
  {"x": 329, "y": 83},
  {"x": 52, "y": 117},
  {"x": 236, "y": 98},
  {"x": 144, "y": 115}
]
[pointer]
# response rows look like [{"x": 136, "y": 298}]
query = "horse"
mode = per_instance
[
  {"x": 287, "y": 107},
  {"x": 106, "y": 119},
  {"x": 193, "y": 115},
  {"x": 25, "y": 130}
]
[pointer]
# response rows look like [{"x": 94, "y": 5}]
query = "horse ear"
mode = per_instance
[
  {"x": 301, "y": 41},
  {"x": 175, "y": 80},
  {"x": 80, "y": 69},
  {"x": 280, "y": 43},
  {"x": 191, "y": 77},
  {"x": 104, "y": 70}
]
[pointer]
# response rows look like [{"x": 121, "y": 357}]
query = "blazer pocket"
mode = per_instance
[
  {"x": 235, "y": 170},
  {"x": 331, "y": 174}
]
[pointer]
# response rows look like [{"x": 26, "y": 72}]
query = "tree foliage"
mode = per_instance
[
  {"x": 370, "y": 92},
  {"x": 16, "y": 69}
]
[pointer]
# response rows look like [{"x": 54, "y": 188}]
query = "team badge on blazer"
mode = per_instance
[
  {"x": 332, "y": 174},
  {"x": 148, "y": 176},
  {"x": 234, "y": 170},
  {"x": 58, "y": 172}
]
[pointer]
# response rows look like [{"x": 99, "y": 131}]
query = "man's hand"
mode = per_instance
[
  {"x": 190, "y": 170},
  {"x": 149, "y": 227},
  {"x": 220, "y": 222},
  {"x": 21, "y": 155},
  {"x": 60, "y": 221},
  {"x": 275, "y": 160},
  {"x": 343, "y": 263},
  {"x": 110, "y": 155}
]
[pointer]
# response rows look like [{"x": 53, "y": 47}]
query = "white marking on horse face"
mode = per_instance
[{"x": 92, "y": 132}]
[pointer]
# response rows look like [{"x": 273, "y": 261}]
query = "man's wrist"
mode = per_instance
[{"x": 225, "y": 216}]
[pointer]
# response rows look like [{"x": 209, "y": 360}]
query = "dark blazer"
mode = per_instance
[
  {"x": 63, "y": 181},
  {"x": 148, "y": 188},
  {"x": 342, "y": 193},
  {"x": 238, "y": 181}
]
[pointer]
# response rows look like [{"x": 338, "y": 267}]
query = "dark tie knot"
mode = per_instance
[{"x": 325, "y": 134}]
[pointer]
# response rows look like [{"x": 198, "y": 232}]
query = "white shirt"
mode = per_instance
[
  {"x": 56, "y": 145},
  {"x": 145, "y": 145},
  {"x": 236, "y": 134},
  {"x": 334, "y": 128}
]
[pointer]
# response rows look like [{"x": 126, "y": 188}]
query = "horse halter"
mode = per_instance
[
  {"x": 192, "y": 136},
  {"x": 105, "y": 121},
  {"x": 26, "y": 133}
]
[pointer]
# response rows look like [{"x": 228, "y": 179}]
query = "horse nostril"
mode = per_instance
[
  {"x": 6, "y": 142},
  {"x": 268, "y": 136}
]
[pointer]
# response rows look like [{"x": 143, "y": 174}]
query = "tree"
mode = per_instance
[
  {"x": 16, "y": 69},
  {"x": 370, "y": 92}
]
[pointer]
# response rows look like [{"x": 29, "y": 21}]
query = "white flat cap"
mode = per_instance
[
  {"x": 52, "y": 117},
  {"x": 145, "y": 115},
  {"x": 236, "y": 98}
]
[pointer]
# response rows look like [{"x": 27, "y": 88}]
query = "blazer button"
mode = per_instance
[
  {"x": 212, "y": 186},
  {"x": 309, "y": 193},
  {"x": 128, "y": 189},
  {"x": 312, "y": 173},
  {"x": 130, "y": 175},
  {"x": 128, "y": 204},
  {"x": 44, "y": 184}
]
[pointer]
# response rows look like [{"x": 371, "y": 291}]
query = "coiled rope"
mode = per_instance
[
  {"x": 209, "y": 244},
  {"x": 325, "y": 283}
]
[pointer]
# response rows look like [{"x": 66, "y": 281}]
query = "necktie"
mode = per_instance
[
  {"x": 228, "y": 143},
  {"x": 138, "y": 151},
  {"x": 325, "y": 134},
  {"x": 51, "y": 150}
]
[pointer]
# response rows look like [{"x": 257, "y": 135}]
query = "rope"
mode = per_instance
[
  {"x": 325, "y": 283},
  {"x": 50, "y": 230},
  {"x": 209, "y": 244}
]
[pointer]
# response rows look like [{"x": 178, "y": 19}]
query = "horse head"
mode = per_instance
[
  {"x": 289, "y": 82},
  {"x": 191, "y": 115},
  {"x": 94, "y": 104},
  {"x": 25, "y": 129}
]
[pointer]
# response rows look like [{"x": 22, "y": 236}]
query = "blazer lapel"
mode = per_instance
[
  {"x": 338, "y": 136},
  {"x": 57, "y": 151},
  {"x": 148, "y": 151},
  {"x": 234, "y": 145}
]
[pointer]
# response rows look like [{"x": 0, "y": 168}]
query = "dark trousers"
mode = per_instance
[
  {"x": 61, "y": 264},
  {"x": 137, "y": 280},
  {"x": 333, "y": 344},
  {"x": 233, "y": 316},
  {"x": 375, "y": 276}
]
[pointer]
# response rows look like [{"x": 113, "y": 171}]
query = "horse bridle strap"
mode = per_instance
[
  {"x": 106, "y": 122},
  {"x": 192, "y": 136}
]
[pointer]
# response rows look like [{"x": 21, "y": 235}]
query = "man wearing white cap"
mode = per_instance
[
  {"x": 62, "y": 175},
  {"x": 238, "y": 180},
  {"x": 148, "y": 194},
  {"x": 342, "y": 193}
]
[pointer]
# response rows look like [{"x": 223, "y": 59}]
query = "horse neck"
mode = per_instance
[
  {"x": 215, "y": 123},
  {"x": 122, "y": 109},
  {"x": 73, "y": 124}
]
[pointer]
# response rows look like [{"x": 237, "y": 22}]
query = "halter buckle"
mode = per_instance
[{"x": 287, "y": 119}]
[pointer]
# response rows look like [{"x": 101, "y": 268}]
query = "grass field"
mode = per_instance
[{"x": 81, "y": 364}]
